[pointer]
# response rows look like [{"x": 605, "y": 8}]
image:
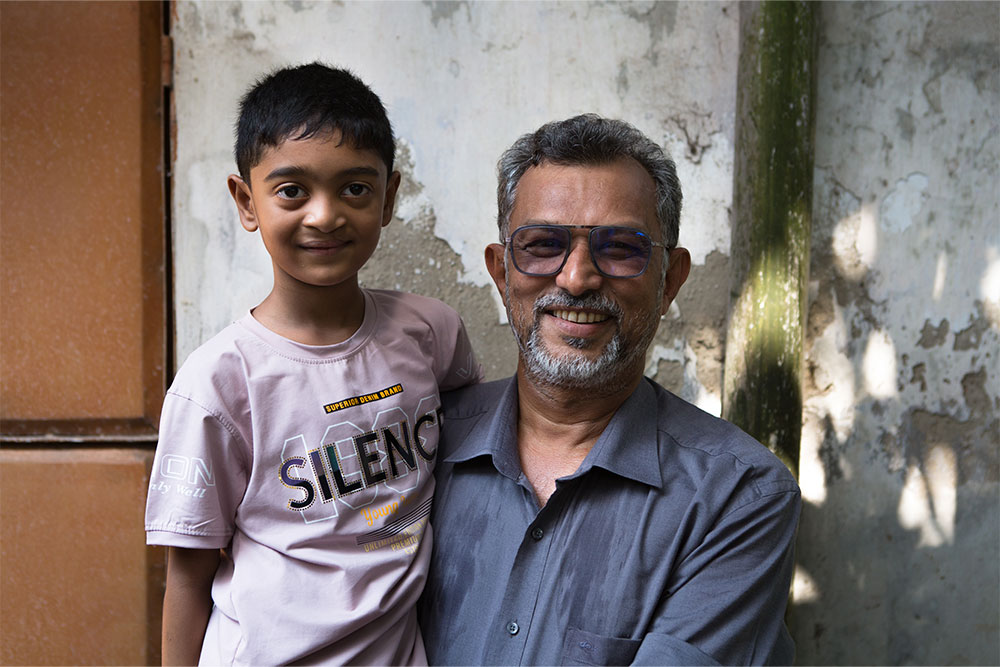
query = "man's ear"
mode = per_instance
[
  {"x": 244, "y": 202},
  {"x": 677, "y": 272},
  {"x": 498, "y": 270},
  {"x": 391, "y": 188}
]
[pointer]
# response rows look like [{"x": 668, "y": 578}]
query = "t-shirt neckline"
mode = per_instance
[{"x": 292, "y": 348}]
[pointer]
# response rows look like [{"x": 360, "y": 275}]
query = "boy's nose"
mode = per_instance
[
  {"x": 323, "y": 215},
  {"x": 578, "y": 274}
]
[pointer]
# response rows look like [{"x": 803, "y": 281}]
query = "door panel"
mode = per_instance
[
  {"x": 82, "y": 240},
  {"x": 80, "y": 586},
  {"x": 83, "y": 328}
]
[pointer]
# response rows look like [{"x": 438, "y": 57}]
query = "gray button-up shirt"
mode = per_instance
[{"x": 671, "y": 544}]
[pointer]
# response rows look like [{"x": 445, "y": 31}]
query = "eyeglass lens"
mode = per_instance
[{"x": 542, "y": 250}]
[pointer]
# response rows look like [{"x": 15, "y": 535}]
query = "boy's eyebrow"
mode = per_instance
[{"x": 291, "y": 171}]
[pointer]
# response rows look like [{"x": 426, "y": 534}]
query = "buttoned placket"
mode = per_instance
[{"x": 516, "y": 615}]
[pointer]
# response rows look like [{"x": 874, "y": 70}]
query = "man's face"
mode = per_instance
[{"x": 579, "y": 328}]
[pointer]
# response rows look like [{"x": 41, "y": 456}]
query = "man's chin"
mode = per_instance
[
  {"x": 576, "y": 352},
  {"x": 572, "y": 369},
  {"x": 578, "y": 343}
]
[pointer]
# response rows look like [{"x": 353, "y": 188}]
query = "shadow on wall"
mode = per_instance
[{"x": 900, "y": 531}]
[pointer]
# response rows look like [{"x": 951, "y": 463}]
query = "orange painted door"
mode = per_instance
[{"x": 83, "y": 328}]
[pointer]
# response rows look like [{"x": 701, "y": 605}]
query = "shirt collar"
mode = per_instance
[
  {"x": 495, "y": 435},
  {"x": 628, "y": 446}
]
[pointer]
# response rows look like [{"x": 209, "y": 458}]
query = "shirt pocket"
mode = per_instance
[{"x": 586, "y": 648}]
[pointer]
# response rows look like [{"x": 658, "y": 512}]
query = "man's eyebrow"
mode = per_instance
[
  {"x": 539, "y": 221},
  {"x": 293, "y": 171},
  {"x": 631, "y": 224}
]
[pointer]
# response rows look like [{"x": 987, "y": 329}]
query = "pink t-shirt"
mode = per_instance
[{"x": 312, "y": 466}]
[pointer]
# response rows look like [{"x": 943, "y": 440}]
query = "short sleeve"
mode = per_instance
[
  {"x": 455, "y": 357},
  {"x": 733, "y": 588},
  {"x": 199, "y": 477}
]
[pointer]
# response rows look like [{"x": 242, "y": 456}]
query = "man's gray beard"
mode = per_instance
[{"x": 608, "y": 373}]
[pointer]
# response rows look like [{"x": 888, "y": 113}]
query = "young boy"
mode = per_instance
[{"x": 300, "y": 441}]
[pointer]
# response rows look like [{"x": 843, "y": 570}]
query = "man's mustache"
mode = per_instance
[{"x": 589, "y": 301}]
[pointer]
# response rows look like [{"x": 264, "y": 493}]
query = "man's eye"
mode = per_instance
[
  {"x": 357, "y": 190},
  {"x": 291, "y": 192},
  {"x": 619, "y": 249},
  {"x": 544, "y": 247}
]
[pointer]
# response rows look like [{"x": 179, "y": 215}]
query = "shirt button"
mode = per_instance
[
  {"x": 513, "y": 628},
  {"x": 537, "y": 533}
]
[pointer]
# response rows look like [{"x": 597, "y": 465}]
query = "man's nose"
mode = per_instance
[
  {"x": 578, "y": 274},
  {"x": 323, "y": 214}
]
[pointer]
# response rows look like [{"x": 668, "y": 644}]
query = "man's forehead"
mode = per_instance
[{"x": 620, "y": 192}]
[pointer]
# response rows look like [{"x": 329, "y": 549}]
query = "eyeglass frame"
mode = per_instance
[{"x": 590, "y": 249}]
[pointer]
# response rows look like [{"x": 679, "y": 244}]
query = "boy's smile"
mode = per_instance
[{"x": 320, "y": 205}]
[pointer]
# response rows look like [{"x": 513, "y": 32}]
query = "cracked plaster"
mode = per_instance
[
  {"x": 899, "y": 457},
  {"x": 905, "y": 271},
  {"x": 446, "y": 72}
]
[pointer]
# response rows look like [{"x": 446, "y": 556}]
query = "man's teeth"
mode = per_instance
[{"x": 580, "y": 317}]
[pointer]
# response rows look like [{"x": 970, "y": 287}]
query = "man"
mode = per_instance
[{"x": 584, "y": 514}]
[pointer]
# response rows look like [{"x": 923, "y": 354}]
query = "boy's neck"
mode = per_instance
[{"x": 313, "y": 315}]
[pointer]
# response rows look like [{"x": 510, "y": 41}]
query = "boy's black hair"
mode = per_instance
[{"x": 298, "y": 102}]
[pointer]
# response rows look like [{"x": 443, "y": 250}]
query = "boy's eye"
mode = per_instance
[
  {"x": 357, "y": 190},
  {"x": 291, "y": 192}
]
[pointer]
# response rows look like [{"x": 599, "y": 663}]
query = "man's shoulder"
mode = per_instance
[
  {"x": 473, "y": 400},
  {"x": 693, "y": 433}
]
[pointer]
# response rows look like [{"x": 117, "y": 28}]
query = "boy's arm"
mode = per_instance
[{"x": 187, "y": 603}]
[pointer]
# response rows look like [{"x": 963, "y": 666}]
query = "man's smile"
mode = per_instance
[{"x": 579, "y": 316}]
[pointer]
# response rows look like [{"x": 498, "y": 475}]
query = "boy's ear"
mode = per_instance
[
  {"x": 244, "y": 202},
  {"x": 391, "y": 188}
]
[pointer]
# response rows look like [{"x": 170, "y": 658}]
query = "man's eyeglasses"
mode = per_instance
[{"x": 617, "y": 252}]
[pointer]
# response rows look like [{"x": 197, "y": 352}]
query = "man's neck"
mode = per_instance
[
  {"x": 313, "y": 315},
  {"x": 557, "y": 427}
]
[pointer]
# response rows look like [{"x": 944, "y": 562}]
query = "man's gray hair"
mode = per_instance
[{"x": 585, "y": 140}]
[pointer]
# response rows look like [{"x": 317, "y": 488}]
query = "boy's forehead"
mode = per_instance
[{"x": 323, "y": 150}]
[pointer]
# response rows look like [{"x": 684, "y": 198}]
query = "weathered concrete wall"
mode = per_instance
[
  {"x": 898, "y": 545},
  {"x": 461, "y": 81},
  {"x": 899, "y": 540}
]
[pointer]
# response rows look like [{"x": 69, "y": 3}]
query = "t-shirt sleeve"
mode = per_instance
[
  {"x": 455, "y": 359},
  {"x": 198, "y": 479}
]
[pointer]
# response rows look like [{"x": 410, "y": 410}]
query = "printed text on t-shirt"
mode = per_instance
[{"x": 328, "y": 477}]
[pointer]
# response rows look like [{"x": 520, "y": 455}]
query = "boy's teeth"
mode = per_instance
[{"x": 579, "y": 317}]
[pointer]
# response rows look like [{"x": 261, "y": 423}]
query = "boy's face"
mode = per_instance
[{"x": 320, "y": 206}]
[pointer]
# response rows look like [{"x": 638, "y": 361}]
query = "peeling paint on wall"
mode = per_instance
[
  {"x": 900, "y": 455},
  {"x": 899, "y": 536},
  {"x": 687, "y": 352},
  {"x": 461, "y": 81},
  {"x": 903, "y": 203},
  {"x": 411, "y": 258}
]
